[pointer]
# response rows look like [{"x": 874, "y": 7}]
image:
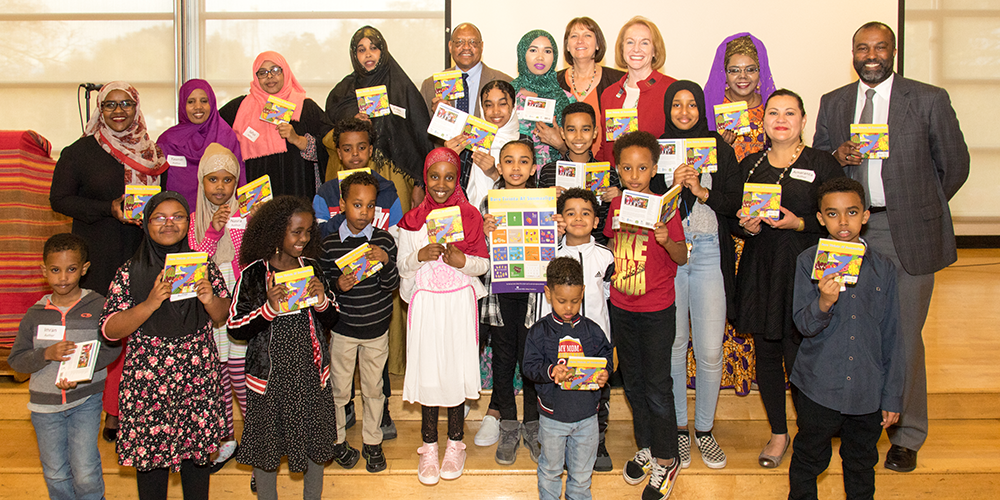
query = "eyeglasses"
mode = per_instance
[
  {"x": 749, "y": 70},
  {"x": 471, "y": 43},
  {"x": 111, "y": 105},
  {"x": 162, "y": 219},
  {"x": 263, "y": 73}
]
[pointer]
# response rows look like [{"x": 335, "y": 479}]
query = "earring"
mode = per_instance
[{"x": 277, "y": 250}]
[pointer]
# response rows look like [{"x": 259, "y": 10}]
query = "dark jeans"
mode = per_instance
[
  {"x": 811, "y": 450},
  {"x": 644, "y": 341},
  {"x": 194, "y": 481},
  {"x": 773, "y": 359},
  {"x": 508, "y": 351}
]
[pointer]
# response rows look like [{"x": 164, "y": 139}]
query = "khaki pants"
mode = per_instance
[{"x": 370, "y": 355}]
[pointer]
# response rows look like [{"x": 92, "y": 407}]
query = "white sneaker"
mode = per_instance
[{"x": 489, "y": 432}]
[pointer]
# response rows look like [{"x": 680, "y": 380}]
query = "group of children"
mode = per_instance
[{"x": 594, "y": 295}]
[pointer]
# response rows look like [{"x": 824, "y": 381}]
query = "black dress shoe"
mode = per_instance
[
  {"x": 110, "y": 435},
  {"x": 900, "y": 459}
]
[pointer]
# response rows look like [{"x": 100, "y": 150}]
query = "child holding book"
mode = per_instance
[
  {"x": 361, "y": 334},
  {"x": 569, "y": 429},
  {"x": 579, "y": 130},
  {"x": 850, "y": 366},
  {"x": 290, "y": 406},
  {"x": 66, "y": 415},
  {"x": 505, "y": 313},
  {"x": 642, "y": 318},
  {"x": 439, "y": 282}
]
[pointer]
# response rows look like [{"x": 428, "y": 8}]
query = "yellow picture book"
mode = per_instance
[
  {"x": 136, "y": 197},
  {"x": 183, "y": 270},
  {"x": 373, "y": 101},
  {"x": 841, "y": 259},
  {"x": 277, "y": 110},
  {"x": 761, "y": 200},
  {"x": 733, "y": 116},
  {"x": 356, "y": 262},
  {"x": 481, "y": 132},
  {"x": 252, "y": 193},
  {"x": 296, "y": 283},
  {"x": 444, "y": 225},
  {"x": 448, "y": 85},
  {"x": 645, "y": 210},
  {"x": 702, "y": 154},
  {"x": 872, "y": 140},
  {"x": 598, "y": 175},
  {"x": 583, "y": 372},
  {"x": 343, "y": 174},
  {"x": 618, "y": 122}
]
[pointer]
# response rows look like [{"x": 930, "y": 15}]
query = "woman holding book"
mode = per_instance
[
  {"x": 586, "y": 79},
  {"x": 401, "y": 135},
  {"x": 88, "y": 184},
  {"x": 767, "y": 267},
  {"x": 172, "y": 414},
  {"x": 288, "y": 152},
  {"x": 641, "y": 51},
  {"x": 537, "y": 57}
]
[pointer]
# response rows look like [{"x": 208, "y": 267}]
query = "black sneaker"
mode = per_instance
[
  {"x": 345, "y": 456},
  {"x": 637, "y": 469},
  {"x": 603, "y": 463},
  {"x": 661, "y": 480},
  {"x": 529, "y": 436},
  {"x": 374, "y": 458},
  {"x": 388, "y": 426},
  {"x": 349, "y": 417}
]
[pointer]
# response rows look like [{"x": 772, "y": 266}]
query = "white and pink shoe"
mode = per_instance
[
  {"x": 428, "y": 470},
  {"x": 454, "y": 460}
]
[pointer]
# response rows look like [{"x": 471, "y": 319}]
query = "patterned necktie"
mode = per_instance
[
  {"x": 463, "y": 102},
  {"x": 861, "y": 171}
]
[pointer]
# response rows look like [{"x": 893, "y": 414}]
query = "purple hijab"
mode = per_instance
[
  {"x": 190, "y": 140},
  {"x": 715, "y": 87}
]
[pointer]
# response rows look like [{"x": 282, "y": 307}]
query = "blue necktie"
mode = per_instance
[{"x": 463, "y": 102}]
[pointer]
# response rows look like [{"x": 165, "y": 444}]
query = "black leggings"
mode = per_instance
[
  {"x": 429, "y": 421},
  {"x": 774, "y": 359},
  {"x": 194, "y": 481}
]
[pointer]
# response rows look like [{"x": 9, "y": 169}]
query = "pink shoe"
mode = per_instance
[
  {"x": 428, "y": 470},
  {"x": 454, "y": 460}
]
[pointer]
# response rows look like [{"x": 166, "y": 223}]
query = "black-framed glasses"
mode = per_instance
[
  {"x": 162, "y": 219},
  {"x": 264, "y": 73},
  {"x": 749, "y": 70},
  {"x": 126, "y": 105}
]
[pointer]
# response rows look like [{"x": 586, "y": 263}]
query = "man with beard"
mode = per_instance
[
  {"x": 908, "y": 197},
  {"x": 466, "y": 49}
]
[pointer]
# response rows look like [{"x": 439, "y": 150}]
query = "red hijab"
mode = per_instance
[{"x": 472, "y": 221}]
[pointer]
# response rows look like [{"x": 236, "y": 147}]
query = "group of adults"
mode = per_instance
[{"x": 909, "y": 191}]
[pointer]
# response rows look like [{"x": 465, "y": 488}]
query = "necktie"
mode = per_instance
[
  {"x": 463, "y": 102},
  {"x": 861, "y": 171}
]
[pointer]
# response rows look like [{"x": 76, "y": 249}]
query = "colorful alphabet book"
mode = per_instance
[
  {"x": 702, "y": 154},
  {"x": 872, "y": 140},
  {"x": 183, "y": 270},
  {"x": 80, "y": 365},
  {"x": 645, "y": 210},
  {"x": 481, "y": 133},
  {"x": 598, "y": 176},
  {"x": 136, "y": 196},
  {"x": 252, "y": 193},
  {"x": 444, "y": 225},
  {"x": 524, "y": 240},
  {"x": 841, "y": 259},
  {"x": 538, "y": 109},
  {"x": 373, "y": 101},
  {"x": 277, "y": 110},
  {"x": 356, "y": 262},
  {"x": 448, "y": 85},
  {"x": 343, "y": 174},
  {"x": 296, "y": 283},
  {"x": 761, "y": 200},
  {"x": 447, "y": 122},
  {"x": 618, "y": 122},
  {"x": 583, "y": 370},
  {"x": 733, "y": 116}
]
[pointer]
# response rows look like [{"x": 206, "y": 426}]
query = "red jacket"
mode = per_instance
[{"x": 651, "y": 115}]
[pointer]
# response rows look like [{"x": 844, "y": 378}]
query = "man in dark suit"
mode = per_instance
[
  {"x": 466, "y": 48},
  {"x": 909, "y": 191}
]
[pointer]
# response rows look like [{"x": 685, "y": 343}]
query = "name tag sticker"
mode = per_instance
[
  {"x": 251, "y": 134},
  {"x": 177, "y": 161},
  {"x": 398, "y": 111},
  {"x": 803, "y": 175},
  {"x": 237, "y": 223},
  {"x": 51, "y": 332}
]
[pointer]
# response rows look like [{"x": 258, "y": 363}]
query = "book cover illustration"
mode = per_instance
[
  {"x": 645, "y": 210},
  {"x": 448, "y": 85},
  {"x": 841, "y": 259},
  {"x": 669, "y": 203},
  {"x": 373, "y": 101},
  {"x": 524, "y": 240},
  {"x": 296, "y": 283},
  {"x": 598, "y": 176},
  {"x": 277, "y": 110},
  {"x": 252, "y": 193},
  {"x": 356, "y": 262},
  {"x": 702, "y": 155},
  {"x": 570, "y": 174},
  {"x": 733, "y": 116},
  {"x": 444, "y": 225},
  {"x": 481, "y": 134},
  {"x": 447, "y": 122},
  {"x": 618, "y": 122},
  {"x": 136, "y": 197},
  {"x": 183, "y": 270},
  {"x": 872, "y": 140},
  {"x": 537, "y": 109},
  {"x": 672, "y": 155},
  {"x": 583, "y": 369},
  {"x": 80, "y": 365},
  {"x": 343, "y": 174},
  {"x": 761, "y": 200}
]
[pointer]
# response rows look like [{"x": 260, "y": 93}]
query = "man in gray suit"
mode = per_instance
[
  {"x": 466, "y": 48},
  {"x": 909, "y": 191}
]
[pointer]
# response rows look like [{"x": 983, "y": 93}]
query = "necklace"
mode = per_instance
[
  {"x": 572, "y": 82},
  {"x": 798, "y": 149}
]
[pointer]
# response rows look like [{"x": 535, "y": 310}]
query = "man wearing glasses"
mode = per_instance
[{"x": 466, "y": 49}]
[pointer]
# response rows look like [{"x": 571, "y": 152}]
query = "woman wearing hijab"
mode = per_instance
[
  {"x": 287, "y": 152},
  {"x": 537, "y": 56},
  {"x": 172, "y": 410},
  {"x": 741, "y": 72},
  {"x": 705, "y": 286},
  {"x": 401, "y": 135},
  {"x": 88, "y": 184},
  {"x": 199, "y": 125}
]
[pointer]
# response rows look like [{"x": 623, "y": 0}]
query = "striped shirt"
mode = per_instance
[{"x": 365, "y": 309}]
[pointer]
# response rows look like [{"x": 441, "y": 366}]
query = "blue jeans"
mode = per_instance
[
  {"x": 67, "y": 445},
  {"x": 572, "y": 442},
  {"x": 700, "y": 296}
]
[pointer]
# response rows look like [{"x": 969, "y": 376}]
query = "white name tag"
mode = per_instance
[
  {"x": 177, "y": 161},
  {"x": 237, "y": 223},
  {"x": 251, "y": 134},
  {"x": 803, "y": 175},
  {"x": 51, "y": 332},
  {"x": 398, "y": 111}
]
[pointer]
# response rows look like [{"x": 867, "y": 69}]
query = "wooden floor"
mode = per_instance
[{"x": 961, "y": 459}]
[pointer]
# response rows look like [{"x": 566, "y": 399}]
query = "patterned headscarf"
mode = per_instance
[
  {"x": 740, "y": 43},
  {"x": 143, "y": 159},
  {"x": 545, "y": 85},
  {"x": 269, "y": 142}
]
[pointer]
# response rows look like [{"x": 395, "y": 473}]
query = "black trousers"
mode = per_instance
[
  {"x": 811, "y": 450},
  {"x": 508, "y": 351},
  {"x": 152, "y": 484},
  {"x": 773, "y": 359}
]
